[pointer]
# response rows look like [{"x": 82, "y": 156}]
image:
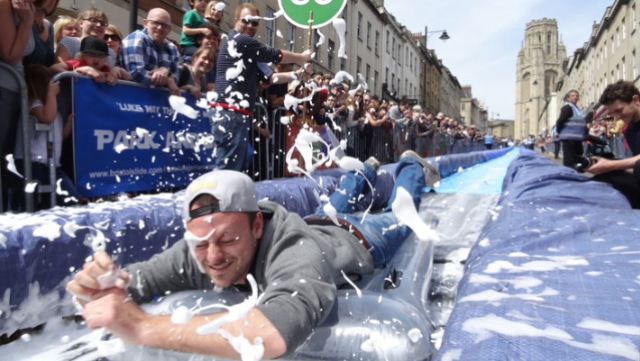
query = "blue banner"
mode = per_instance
[{"x": 126, "y": 139}]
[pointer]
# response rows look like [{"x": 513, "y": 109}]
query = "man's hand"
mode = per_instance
[
  {"x": 88, "y": 284},
  {"x": 173, "y": 87},
  {"x": 308, "y": 55},
  {"x": 112, "y": 309},
  {"x": 159, "y": 76},
  {"x": 601, "y": 165}
]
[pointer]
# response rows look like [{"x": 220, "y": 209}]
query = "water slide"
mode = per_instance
[{"x": 533, "y": 261}]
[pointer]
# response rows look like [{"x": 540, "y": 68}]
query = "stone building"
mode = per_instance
[
  {"x": 539, "y": 68},
  {"x": 545, "y": 74},
  {"x": 610, "y": 53}
]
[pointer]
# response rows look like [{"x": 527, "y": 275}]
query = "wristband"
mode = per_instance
[{"x": 294, "y": 76}]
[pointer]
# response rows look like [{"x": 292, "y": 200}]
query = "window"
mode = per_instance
[
  {"x": 376, "y": 78},
  {"x": 386, "y": 75},
  {"x": 270, "y": 34},
  {"x": 387, "y": 42},
  {"x": 605, "y": 50},
  {"x": 377, "y": 44},
  {"x": 411, "y": 63},
  {"x": 624, "y": 69},
  {"x": 633, "y": 17},
  {"x": 330, "y": 52},
  {"x": 393, "y": 49},
  {"x": 613, "y": 45},
  {"x": 399, "y": 53},
  {"x": 359, "y": 33},
  {"x": 624, "y": 29},
  {"x": 316, "y": 40},
  {"x": 368, "y": 35},
  {"x": 635, "y": 65},
  {"x": 291, "y": 36},
  {"x": 367, "y": 75},
  {"x": 358, "y": 65},
  {"x": 618, "y": 36}
]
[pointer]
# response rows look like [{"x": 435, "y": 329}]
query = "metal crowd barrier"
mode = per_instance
[
  {"x": 616, "y": 143},
  {"x": 270, "y": 152}
]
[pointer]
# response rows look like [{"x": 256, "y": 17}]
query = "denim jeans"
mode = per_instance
[
  {"x": 231, "y": 138},
  {"x": 381, "y": 230}
]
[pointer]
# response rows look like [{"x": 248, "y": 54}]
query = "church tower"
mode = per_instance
[{"x": 538, "y": 70}]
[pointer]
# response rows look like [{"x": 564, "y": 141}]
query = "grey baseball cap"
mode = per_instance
[{"x": 235, "y": 192}]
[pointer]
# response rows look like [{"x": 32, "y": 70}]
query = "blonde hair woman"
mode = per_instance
[{"x": 63, "y": 27}]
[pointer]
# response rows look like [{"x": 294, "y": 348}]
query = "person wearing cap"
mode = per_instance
[
  {"x": 298, "y": 264},
  {"x": 92, "y": 62},
  {"x": 241, "y": 65},
  {"x": 149, "y": 56}
]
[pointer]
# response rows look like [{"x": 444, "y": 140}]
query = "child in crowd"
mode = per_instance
[
  {"x": 214, "y": 12},
  {"x": 42, "y": 93},
  {"x": 191, "y": 27},
  {"x": 92, "y": 62}
]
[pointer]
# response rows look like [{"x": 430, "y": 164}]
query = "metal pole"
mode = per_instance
[{"x": 133, "y": 15}]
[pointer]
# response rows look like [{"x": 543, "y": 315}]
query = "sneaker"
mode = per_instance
[
  {"x": 431, "y": 173},
  {"x": 374, "y": 162}
]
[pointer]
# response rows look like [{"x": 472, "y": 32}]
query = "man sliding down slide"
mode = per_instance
[{"x": 230, "y": 239}]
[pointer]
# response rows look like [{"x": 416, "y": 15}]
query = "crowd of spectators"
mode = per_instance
[
  {"x": 89, "y": 44},
  {"x": 37, "y": 48},
  {"x": 376, "y": 126}
]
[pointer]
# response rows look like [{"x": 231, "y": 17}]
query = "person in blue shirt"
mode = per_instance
[{"x": 488, "y": 140}]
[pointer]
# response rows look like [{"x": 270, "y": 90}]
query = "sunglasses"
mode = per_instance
[
  {"x": 112, "y": 37},
  {"x": 95, "y": 21},
  {"x": 253, "y": 23}
]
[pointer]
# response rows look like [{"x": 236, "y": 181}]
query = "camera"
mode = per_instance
[{"x": 596, "y": 147}]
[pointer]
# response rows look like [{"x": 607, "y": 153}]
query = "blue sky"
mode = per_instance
[{"x": 487, "y": 35}]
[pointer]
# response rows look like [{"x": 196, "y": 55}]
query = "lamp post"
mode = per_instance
[{"x": 444, "y": 36}]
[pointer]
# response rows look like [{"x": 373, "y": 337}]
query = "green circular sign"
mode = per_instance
[{"x": 324, "y": 11}]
